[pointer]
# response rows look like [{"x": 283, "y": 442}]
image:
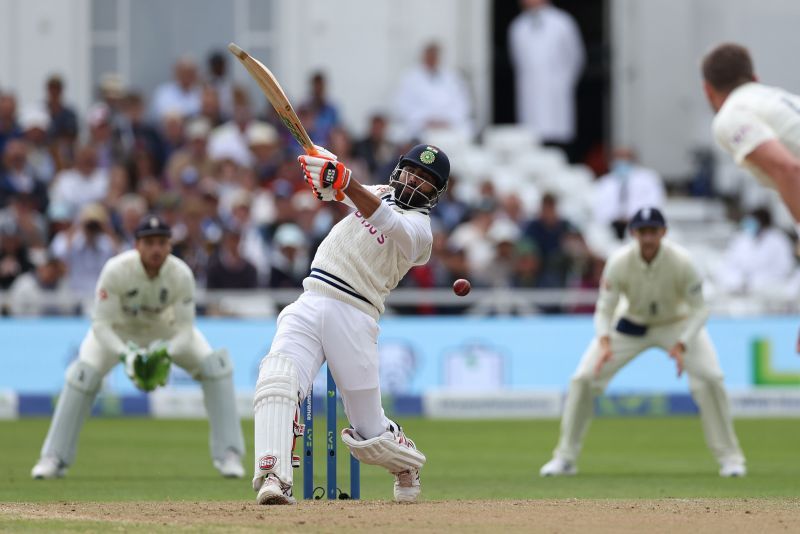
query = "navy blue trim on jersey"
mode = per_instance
[
  {"x": 321, "y": 275},
  {"x": 389, "y": 199}
]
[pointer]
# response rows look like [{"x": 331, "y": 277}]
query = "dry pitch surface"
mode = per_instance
[{"x": 664, "y": 515}]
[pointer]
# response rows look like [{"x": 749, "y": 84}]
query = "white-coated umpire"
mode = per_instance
[
  {"x": 663, "y": 307},
  {"x": 336, "y": 320},
  {"x": 144, "y": 315}
]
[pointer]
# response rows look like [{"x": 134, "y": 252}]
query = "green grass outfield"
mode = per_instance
[{"x": 626, "y": 458}]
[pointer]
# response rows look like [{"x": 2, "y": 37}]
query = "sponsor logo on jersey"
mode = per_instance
[
  {"x": 381, "y": 239},
  {"x": 267, "y": 462}
]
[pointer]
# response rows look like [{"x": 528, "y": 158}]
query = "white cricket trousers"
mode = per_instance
[
  {"x": 705, "y": 382},
  {"x": 315, "y": 329}
]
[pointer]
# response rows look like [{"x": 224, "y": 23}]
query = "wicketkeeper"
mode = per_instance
[{"x": 144, "y": 316}]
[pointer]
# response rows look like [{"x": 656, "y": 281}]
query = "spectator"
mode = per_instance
[
  {"x": 191, "y": 244},
  {"x": 451, "y": 211},
  {"x": 264, "y": 143},
  {"x": 219, "y": 81},
  {"x": 42, "y": 291},
  {"x": 14, "y": 255},
  {"x": 503, "y": 235},
  {"x": 210, "y": 107},
  {"x": 190, "y": 163},
  {"x": 34, "y": 124},
  {"x": 133, "y": 132},
  {"x": 290, "y": 260},
  {"x": 85, "y": 248},
  {"x": 9, "y": 127},
  {"x": 181, "y": 95},
  {"x": 229, "y": 141},
  {"x": 527, "y": 266},
  {"x": 130, "y": 210},
  {"x": 101, "y": 133},
  {"x": 322, "y": 115},
  {"x": 112, "y": 92},
  {"x": 228, "y": 269},
  {"x": 172, "y": 135},
  {"x": 340, "y": 141},
  {"x": 376, "y": 150},
  {"x": 82, "y": 185},
  {"x": 30, "y": 225},
  {"x": 472, "y": 236},
  {"x": 432, "y": 96},
  {"x": 547, "y": 54},
  {"x": 759, "y": 259},
  {"x": 64, "y": 128},
  {"x": 18, "y": 178},
  {"x": 551, "y": 234},
  {"x": 623, "y": 191},
  {"x": 252, "y": 245}
]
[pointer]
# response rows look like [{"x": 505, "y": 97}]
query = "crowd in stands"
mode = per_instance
[{"x": 222, "y": 171}]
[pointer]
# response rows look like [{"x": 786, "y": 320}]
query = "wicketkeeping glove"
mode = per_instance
[{"x": 147, "y": 368}]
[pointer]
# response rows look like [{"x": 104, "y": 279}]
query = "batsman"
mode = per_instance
[
  {"x": 144, "y": 317},
  {"x": 336, "y": 319},
  {"x": 660, "y": 299}
]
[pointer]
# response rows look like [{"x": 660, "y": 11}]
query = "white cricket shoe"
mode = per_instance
[
  {"x": 558, "y": 467},
  {"x": 732, "y": 469},
  {"x": 48, "y": 467},
  {"x": 273, "y": 491},
  {"x": 230, "y": 466},
  {"x": 406, "y": 486}
]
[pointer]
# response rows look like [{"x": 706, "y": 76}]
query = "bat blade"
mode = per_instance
[{"x": 274, "y": 92}]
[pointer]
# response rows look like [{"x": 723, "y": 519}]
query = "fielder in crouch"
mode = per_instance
[
  {"x": 143, "y": 296},
  {"x": 336, "y": 319},
  {"x": 663, "y": 308}
]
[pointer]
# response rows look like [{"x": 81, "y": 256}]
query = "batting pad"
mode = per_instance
[
  {"x": 384, "y": 451},
  {"x": 74, "y": 405},
  {"x": 216, "y": 376},
  {"x": 275, "y": 404}
]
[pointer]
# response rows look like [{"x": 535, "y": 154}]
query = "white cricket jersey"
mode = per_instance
[
  {"x": 363, "y": 259},
  {"x": 752, "y": 114},
  {"x": 129, "y": 305},
  {"x": 666, "y": 290}
]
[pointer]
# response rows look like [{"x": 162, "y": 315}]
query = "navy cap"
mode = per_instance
[
  {"x": 152, "y": 225},
  {"x": 430, "y": 158},
  {"x": 648, "y": 218}
]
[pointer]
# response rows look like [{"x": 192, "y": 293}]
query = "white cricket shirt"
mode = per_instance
[
  {"x": 666, "y": 290},
  {"x": 131, "y": 305},
  {"x": 755, "y": 113},
  {"x": 363, "y": 259}
]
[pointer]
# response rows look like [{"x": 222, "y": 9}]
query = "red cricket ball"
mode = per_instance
[{"x": 461, "y": 287}]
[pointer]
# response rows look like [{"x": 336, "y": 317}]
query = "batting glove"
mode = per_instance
[{"x": 321, "y": 170}]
